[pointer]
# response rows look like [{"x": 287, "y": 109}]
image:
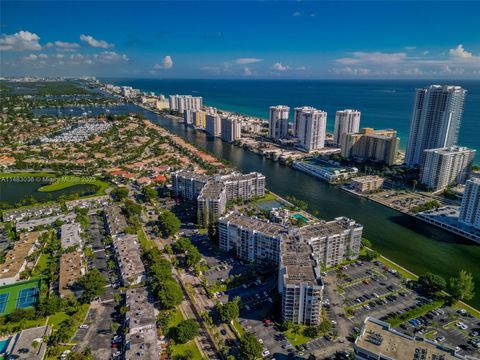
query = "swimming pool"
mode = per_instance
[
  {"x": 4, "y": 345},
  {"x": 299, "y": 217}
]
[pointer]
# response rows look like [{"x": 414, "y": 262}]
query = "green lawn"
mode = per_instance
[
  {"x": 189, "y": 348},
  {"x": 405, "y": 273},
  {"x": 42, "y": 264},
  {"x": 237, "y": 328},
  {"x": 65, "y": 182},
  {"x": 296, "y": 339},
  {"x": 55, "y": 319},
  {"x": 13, "y": 291},
  {"x": 145, "y": 243}
]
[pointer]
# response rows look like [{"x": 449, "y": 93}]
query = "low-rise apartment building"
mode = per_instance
[
  {"x": 116, "y": 222},
  {"x": 31, "y": 212},
  {"x": 367, "y": 184},
  {"x": 29, "y": 344},
  {"x": 300, "y": 284},
  {"x": 16, "y": 258},
  {"x": 71, "y": 269},
  {"x": 70, "y": 235},
  {"x": 378, "y": 341},
  {"x": 140, "y": 319},
  {"x": 89, "y": 203},
  {"x": 127, "y": 250}
]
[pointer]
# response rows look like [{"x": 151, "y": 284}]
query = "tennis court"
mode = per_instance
[
  {"x": 19, "y": 295},
  {"x": 27, "y": 297},
  {"x": 3, "y": 302}
]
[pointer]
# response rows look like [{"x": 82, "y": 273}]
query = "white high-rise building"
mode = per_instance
[
  {"x": 446, "y": 166},
  {"x": 231, "y": 129},
  {"x": 180, "y": 103},
  {"x": 278, "y": 122},
  {"x": 300, "y": 284},
  {"x": 346, "y": 121},
  {"x": 470, "y": 209},
  {"x": 436, "y": 117},
  {"x": 310, "y": 127},
  {"x": 213, "y": 124}
]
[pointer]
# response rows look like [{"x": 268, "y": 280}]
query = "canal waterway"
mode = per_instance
[{"x": 414, "y": 244}]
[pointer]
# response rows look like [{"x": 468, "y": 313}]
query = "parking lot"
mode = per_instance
[
  {"x": 98, "y": 335},
  {"x": 444, "y": 326}
]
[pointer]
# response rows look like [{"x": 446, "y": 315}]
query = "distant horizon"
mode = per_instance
[{"x": 230, "y": 40}]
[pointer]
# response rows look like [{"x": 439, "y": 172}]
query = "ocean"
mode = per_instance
[{"x": 383, "y": 103}]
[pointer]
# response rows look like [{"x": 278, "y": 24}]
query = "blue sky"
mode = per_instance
[{"x": 326, "y": 39}]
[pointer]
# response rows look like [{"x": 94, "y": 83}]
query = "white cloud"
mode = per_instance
[
  {"x": 245, "y": 61},
  {"x": 43, "y": 56},
  {"x": 167, "y": 63},
  {"x": 91, "y": 41},
  {"x": 297, "y": 13},
  {"x": 247, "y": 71},
  {"x": 460, "y": 52},
  {"x": 410, "y": 48},
  {"x": 373, "y": 58},
  {"x": 280, "y": 67},
  {"x": 302, "y": 68},
  {"x": 22, "y": 40},
  {"x": 110, "y": 57},
  {"x": 66, "y": 45},
  {"x": 31, "y": 57}
]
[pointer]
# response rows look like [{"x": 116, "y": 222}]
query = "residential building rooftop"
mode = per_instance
[
  {"x": 70, "y": 235},
  {"x": 71, "y": 269},
  {"x": 301, "y": 266},
  {"x": 15, "y": 259},
  {"x": 377, "y": 340},
  {"x": 24, "y": 348}
]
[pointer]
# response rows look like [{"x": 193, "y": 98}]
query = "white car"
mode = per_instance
[
  {"x": 260, "y": 341},
  {"x": 440, "y": 338},
  {"x": 83, "y": 326},
  {"x": 265, "y": 353}
]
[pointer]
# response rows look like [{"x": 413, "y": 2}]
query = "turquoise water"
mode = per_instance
[
  {"x": 300, "y": 217},
  {"x": 4, "y": 345},
  {"x": 383, "y": 103}
]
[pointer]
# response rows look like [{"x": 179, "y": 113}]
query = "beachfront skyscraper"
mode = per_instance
[
  {"x": 278, "y": 122},
  {"x": 436, "y": 117},
  {"x": 371, "y": 144},
  {"x": 346, "y": 121},
  {"x": 310, "y": 127},
  {"x": 445, "y": 166},
  {"x": 213, "y": 124},
  {"x": 470, "y": 209},
  {"x": 231, "y": 129},
  {"x": 181, "y": 103}
]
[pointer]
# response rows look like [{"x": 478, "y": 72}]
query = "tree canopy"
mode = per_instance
[
  {"x": 228, "y": 312},
  {"x": 432, "y": 283},
  {"x": 93, "y": 284},
  {"x": 185, "y": 331},
  {"x": 169, "y": 224},
  {"x": 250, "y": 348},
  {"x": 462, "y": 287}
]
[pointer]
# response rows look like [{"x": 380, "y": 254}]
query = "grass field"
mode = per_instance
[
  {"x": 296, "y": 339},
  {"x": 190, "y": 348},
  {"x": 65, "y": 182},
  {"x": 13, "y": 291}
]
